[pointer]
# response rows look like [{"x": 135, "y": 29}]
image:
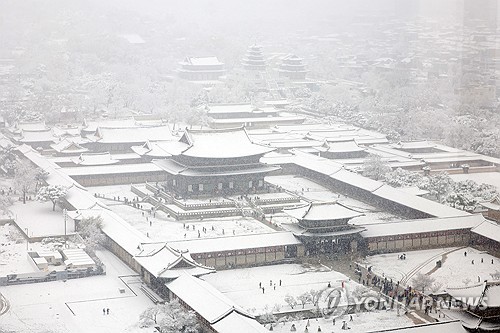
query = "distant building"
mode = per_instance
[
  {"x": 216, "y": 162},
  {"x": 249, "y": 116},
  {"x": 201, "y": 69},
  {"x": 254, "y": 59},
  {"x": 293, "y": 68}
]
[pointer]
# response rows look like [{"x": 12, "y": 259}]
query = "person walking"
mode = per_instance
[{"x": 107, "y": 311}]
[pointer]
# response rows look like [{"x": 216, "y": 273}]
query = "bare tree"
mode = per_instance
[
  {"x": 422, "y": 282},
  {"x": 24, "y": 178}
]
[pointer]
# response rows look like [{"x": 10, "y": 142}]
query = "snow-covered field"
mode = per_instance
[
  {"x": 457, "y": 270},
  {"x": 76, "y": 305},
  {"x": 242, "y": 285},
  {"x": 39, "y": 219}
]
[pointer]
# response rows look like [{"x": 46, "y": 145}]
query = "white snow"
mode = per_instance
[
  {"x": 76, "y": 305},
  {"x": 40, "y": 220},
  {"x": 242, "y": 285},
  {"x": 456, "y": 271}
]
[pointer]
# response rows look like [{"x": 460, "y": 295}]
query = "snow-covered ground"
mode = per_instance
[
  {"x": 362, "y": 322},
  {"x": 76, "y": 305},
  {"x": 492, "y": 178},
  {"x": 457, "y": 270},
  {"x": 242, "y": 285},
  {"x": 122, "y": 191},
  {"x": 163, "y": 228},
  {"x": 39, "y": 219}
]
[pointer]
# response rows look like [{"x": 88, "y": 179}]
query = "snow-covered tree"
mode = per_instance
[
  {"x": 403, "y": 178},
  {"x": 24, "y": 178},
  {"x": 423, "y": 282},
  {"x": 52, "y": 193},
  {"x": 40, "y": 178},
  {"x": 438, "y": 185},
  {"x": 304, "y": 298},
  {"x": 374, "y": 167},
  {"x": 90, "y": 230},
  {"x": 170, "y": 318},
  {"x": 291, "y": 301}
]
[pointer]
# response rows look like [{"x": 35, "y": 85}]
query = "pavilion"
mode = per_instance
[{"x": 324, "y": 227}]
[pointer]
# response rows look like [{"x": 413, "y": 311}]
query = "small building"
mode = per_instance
[
  {"x": 215, "y": 162},
  {"x": 324, "y": 227},
  {"x": 68, "y": 147},
  {"x": 342, "y": 150},
  {"x": 121, "y": 139},
  {"x": 161, "y": 264},
  {"x": 249, "y": 116},
  {"x": 292, "y": 67},
  {"x": 201, "y": 69}
]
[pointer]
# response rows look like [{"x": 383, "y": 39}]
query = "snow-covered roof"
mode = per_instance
[
  {"x": 316, "y": 163},
  {"x": 490, "y": 290},
  {"x": 417, "y": 203},
  {"x": 343, "y": 146},
  {"x": 95, "y": 159},
  {"x": 133, "y": 135},
  {"x": 316, "y": 211},
  {"x": 31, "y": 126},
  {"x": 160, "y": 149},
  {"x": 91, "y": 126},
  {"x": 239, "y": 108},
  {"x": 235, "y": 322},
  {"x": 37, "y": 136},
  {"x": 488, "y": 229},
  {"x": 162, "y": 261},
  {"x": 176, "y": 168},
  {"x": 413, "y": 145},
  {"x": 232, "y": 243},
  {"x": 226, "y": 143},
  {"x": 112, "y": 169},
  {"x": 421, "y": 226},
  {"x": 204, "y": 299},
  {"x": 202, "y": 61},
  {"x": 68, "y": 146}
]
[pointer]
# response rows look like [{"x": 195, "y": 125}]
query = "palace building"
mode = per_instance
[
  {"x": 324, "y": 227},
  {"x": 201, "y": 69},
  {"x": 293, "y": 68},
  {"x": 215, "y": 162}
]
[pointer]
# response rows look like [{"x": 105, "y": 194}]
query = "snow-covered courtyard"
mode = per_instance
[
  {"x": 242, "y": 285},
  {"x": 457, "y": 269},
  {"x": 39, "y": 219},
  {"x": 77, "y": 305}
]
